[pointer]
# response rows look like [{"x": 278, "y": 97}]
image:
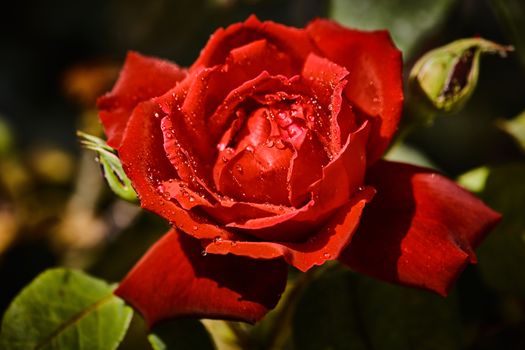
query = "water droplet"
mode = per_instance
[
  {"x": 326, "y": 255},
  {"x": 224, "y": 159},
  {"x": 239, "y": 168},
  {"x": 195, "y": 227},
  {"x": 233, "y": 243},
  {"x": 204, "y": 253},
  {"x": 360, "y": 188},
  {"x": 217, "y": 240},
  {"x": 191, "y": 199},
  {"x": 249, "y": 149},
  {"x": 294, "y": 130},
  {"x": 269, "y": 143}
]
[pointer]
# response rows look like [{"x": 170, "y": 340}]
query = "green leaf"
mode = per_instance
[
  {"x": 515, "y": 128},
  {"x": 65, "y": 309},
  {"x": 344, "y": 311},
  {"x": 502, "y": 255},
  {"x": 111, "y": 166},
  {"x": 327, "y": 315},
  {"x": 396, "y": 317},
  {"x": 409, "y": 21},
  {"x": 180, "y": 334}
]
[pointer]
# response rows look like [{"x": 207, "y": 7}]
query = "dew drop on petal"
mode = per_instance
[
  {"x": 326, "y": 255},
  {"x": 204, "y": 253}
]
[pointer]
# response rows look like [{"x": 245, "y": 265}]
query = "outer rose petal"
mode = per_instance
[
  {"x": 295, "y": 42},
  {"x": 375, "y": 81},
  {"x": 148, "y": 167},
  {"x": 420, "y": 230},
  {"x": 174, "y": 279},
  {"x": 327, "y": 244},
  {"x": 140, "y": 79}
]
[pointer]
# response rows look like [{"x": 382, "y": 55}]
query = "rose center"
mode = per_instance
[{"x": 256, "y": 154}]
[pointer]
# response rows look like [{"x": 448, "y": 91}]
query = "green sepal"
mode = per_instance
[{"x": 111, "y": 166}]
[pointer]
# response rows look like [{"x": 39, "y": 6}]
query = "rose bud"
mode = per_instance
[
  {"x": 444, "y": 78},
  {"x": 266, "y": 153}
]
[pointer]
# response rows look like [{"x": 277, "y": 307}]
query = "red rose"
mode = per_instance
[{"x": 265, "y": 152}]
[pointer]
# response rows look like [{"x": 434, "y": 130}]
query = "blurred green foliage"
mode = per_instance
[
  {"x": 409, "y": 21},
  {"x": 341, "y": 310}
]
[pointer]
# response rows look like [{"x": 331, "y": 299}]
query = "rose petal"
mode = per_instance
[
  {"x": 325, "y": 245},
  {"x": 222, "y": 119},
  {"x": 190, "y": 168},
  {"x": 420, "y": 230},
  {"x": 224, "y": 210},
  {"x": 307, "y": 168},
  {"x": 375, "y": 80},
  {"x": 322, "y": 75},
  {"x": 174, "y": 280},
  {"x": 248, "y": 61},
  {"x": 210, "y": 86},
  {"x": 147, "y": 166},
  {"x": 346, "y": 170},
  {"x": 140, "y": 79},
  {"x": 327, "y": 81},
  {"x": 292, "y": 41},
  {"x": 258, "y": 176}
]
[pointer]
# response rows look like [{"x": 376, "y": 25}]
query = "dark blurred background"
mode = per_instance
[{"x": 57, "y": 56}]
